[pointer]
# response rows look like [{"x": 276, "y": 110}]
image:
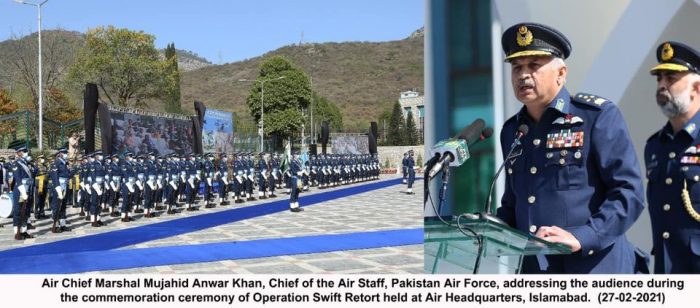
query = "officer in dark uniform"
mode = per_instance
[
  {"x": 23, "y": 185},
  {"x": 577, "y": 180},
  {"x": 160, "y": 178},
  {"x": 238, "y": 182},
  {"x": 115, "y": 181},
  {"x": 150, "y": 188},
  {"x": 410, "y": 163},
  {"x": 42, "y": 181},
  {"x": 191, "y": 182},
  {"x": 127, "y": 189},
  {"x": 98, "y": 174},
  {"x": 403, "y": 168},
  {"x": 672, "y": 158},
  {"x": 262, "y": 176},
  {"x": 83, "y": 178},
  {"x": 59, "y": 178},
  {"x": 223, "y": 178},
  {"x": 295, "y": 171}
]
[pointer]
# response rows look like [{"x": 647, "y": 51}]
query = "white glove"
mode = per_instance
[
  {"x": 114, "y": 186},
  {"x": 191, "y": 182},
  {"x": 22, "y": 193},
  {"x": 97, "y": 188},
  {"x": 239, "y": 179},
  {"x": 151, "y": 184},
  {"x": 59, "y": 192},
  {"x": 130, "y": 186},
  {"x": 225, "y": 181},
  {"x": 209, "y": 181},
  {"x": 172, "y": 183}
]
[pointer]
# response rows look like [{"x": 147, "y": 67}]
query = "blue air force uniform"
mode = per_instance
[
  {"x": 295, "y": 170},
  {"x": 570, "y": 176},
  {"x": 673, "y": 164},
  {"x": 59, "y": 175},
  {"x": 410, "y": 163},
  {"x": 23, "y": 184},
  {"x": 673, "y": 171},
  {"x": 575, "y": 169}
]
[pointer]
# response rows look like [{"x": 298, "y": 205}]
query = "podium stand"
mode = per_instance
[{"x": 449, "y": 250}]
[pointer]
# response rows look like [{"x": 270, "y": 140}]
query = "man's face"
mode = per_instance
[
  {"x": 674, "y": 92},
  {"x": 534, "y": 79}
]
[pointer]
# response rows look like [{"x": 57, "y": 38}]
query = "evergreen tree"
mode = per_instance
[
  {"x": 411, "y": 133},
  {"x": 172, "y": 97},
  {"x": 396, "y": 134}
]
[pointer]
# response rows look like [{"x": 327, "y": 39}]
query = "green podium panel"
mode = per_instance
[{"x": 453, "y": 250}]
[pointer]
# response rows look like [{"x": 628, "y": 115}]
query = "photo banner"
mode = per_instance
[
  {"x": 350, "y": 144},
  {"x": 141, "y": 133},
  {"x": 217, "y": 131}
]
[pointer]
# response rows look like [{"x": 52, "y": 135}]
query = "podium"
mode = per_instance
[{"x": 451, "y": 250}]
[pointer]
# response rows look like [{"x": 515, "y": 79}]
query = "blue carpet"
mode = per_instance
[
  {"x": 88, "y": 261},
  {"x": 132, "y": 236}
]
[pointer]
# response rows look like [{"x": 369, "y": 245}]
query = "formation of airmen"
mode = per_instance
[{"x": 119, "y": 184}]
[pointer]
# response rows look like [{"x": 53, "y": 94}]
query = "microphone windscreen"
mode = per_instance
[
  {"x": 523, "y": 129},
  {"x": 472, "y": 132}
]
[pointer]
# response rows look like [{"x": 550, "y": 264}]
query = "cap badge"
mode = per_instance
[
  {"x": 524, "y": 36},
  {"x": 667, "y": 52}
]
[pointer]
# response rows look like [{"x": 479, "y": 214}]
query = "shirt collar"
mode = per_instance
[
  {"x": 560, "y": 104},
  {"x": 690, "y": 128}
]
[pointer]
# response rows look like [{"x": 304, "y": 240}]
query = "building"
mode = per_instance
[{"x": 411, "y": 101}]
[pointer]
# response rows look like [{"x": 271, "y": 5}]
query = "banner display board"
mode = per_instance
[
  {"x": 350, "y": 144},
  {"x": 141, "y": 134},
  {"x": 217, "y": 132}
]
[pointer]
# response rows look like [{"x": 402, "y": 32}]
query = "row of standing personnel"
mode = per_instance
[{"x": 145, "y": 183}]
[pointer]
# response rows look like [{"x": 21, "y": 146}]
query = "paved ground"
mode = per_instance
[{"x": 382, "y": 209}]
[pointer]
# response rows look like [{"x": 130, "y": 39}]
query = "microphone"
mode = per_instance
[
  {"x": 486, "y": 214},
  {"x": 454, "y": 152},
  {"x": 448, "y": 158}
]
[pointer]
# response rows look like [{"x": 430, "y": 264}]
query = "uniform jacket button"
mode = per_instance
[
  {"x": 533, "y": 229},
  {"x": 665, "y": 235},
  {"x": 531, "y": 199}
]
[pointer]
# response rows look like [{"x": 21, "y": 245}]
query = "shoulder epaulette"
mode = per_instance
[{"x": 590, "y": 99}]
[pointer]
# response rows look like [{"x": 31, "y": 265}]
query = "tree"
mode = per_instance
[
  {"x": 284, "y": 98},
  {"x": 124, "y": 64},
  {"x": 58, "y": 109},
  {"x": 172, "y": 74},
  {"x": 57, "y": 55},
  {"x": 411, "y": 133},
  {"x": 7, "y": 106},
  {"x": 325, "y": 110},
  {"x": 396, "y": 132}
]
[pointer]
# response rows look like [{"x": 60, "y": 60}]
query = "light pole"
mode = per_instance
[
  {"x": 262, "y": 105},
  {"x": 41, "y": 82}
]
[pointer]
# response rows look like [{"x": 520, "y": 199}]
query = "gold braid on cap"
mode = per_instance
[{"x": 685, "y": 196}]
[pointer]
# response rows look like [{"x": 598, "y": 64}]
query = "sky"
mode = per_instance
[{"x": 225, "y": 31}]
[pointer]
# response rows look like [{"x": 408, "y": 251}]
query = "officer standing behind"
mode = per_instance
[
  {"x": 672, "y": 158},
  {"x": 577, "y": 181}
]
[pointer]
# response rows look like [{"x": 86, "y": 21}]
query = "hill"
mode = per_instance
[{"x": 363, "y": 78}]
